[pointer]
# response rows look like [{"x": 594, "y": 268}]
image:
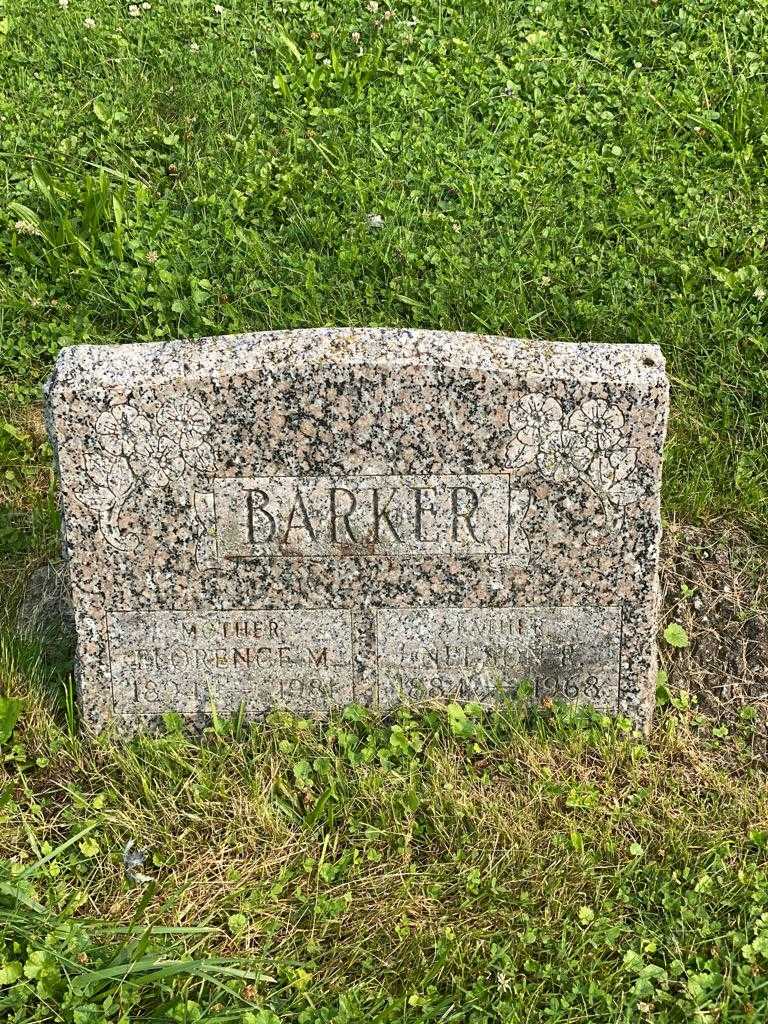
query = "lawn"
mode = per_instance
[
  {"x": 443, "y": 866},
  {"x": 587, "y": 171}
]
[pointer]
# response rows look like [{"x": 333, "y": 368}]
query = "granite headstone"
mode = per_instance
[{"x": 303, "y": 519}]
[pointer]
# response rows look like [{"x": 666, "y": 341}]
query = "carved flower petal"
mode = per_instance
[
  {"x": 538, "y": 409},
  {"x": 578, "y": 421},
  {"x": 610, "y": 438},
  {"x": 529, "y": 436},
  {"x": 596, "y": 414},
  {"x": 532, "y": 403},
  {"x": 548, "y": 461},
  {"x": 195, "y": 415},
  {"x": 144, "y": 449},
  {"x": 140, "y": 425},
  {"x": 573, "y": 448},
  {"x": 552, "y": 410},
  {"x": 165, "y": 449},
  {"x": 565, "y": 472}
]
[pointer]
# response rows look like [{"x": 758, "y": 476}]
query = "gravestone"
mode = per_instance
[{"x": 307, "y": 518}]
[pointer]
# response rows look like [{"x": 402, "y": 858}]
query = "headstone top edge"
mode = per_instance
[{"x": 164, "y": 362}]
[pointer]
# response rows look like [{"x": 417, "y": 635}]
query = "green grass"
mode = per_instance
[
  {"x": 446, "y": 865},
  {"x": 575, "y": 170},
  {"x": 592, "y": 171}
]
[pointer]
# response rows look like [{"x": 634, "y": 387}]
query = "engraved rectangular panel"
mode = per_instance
[
  {"x": 188, "y": 660},
  {"x": 325, "y": 516},
  {"x": 476, "y": 653}
]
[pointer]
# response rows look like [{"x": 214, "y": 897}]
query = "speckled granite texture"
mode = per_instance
[{"x": 306, "y": 518}]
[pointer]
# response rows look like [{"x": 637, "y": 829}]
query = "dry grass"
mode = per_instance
[{"x": 349, "y": 857}]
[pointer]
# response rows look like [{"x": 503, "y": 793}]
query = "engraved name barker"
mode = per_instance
[{"x": 365, "y": 515}]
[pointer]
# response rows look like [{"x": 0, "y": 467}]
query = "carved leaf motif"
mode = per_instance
[
  {"x": 610, "y": 475},
  {"x": 108, "y": 432},
  {"x": 201, "y": 459},
  {"x": 97, "y": 499},
  {"x": 623, "y": 461},
  {"x": 109, "y": 521},
  {"x": 205, "y": 549},
  {"x": 519, "y": 505},
  {"x": 624, "y": 492},
  {"x": 98, "y": 470},
  {"x": 519, "y": 455},
  {"x": 120, "y": 477},
  {"x": 601, "y": 473}
]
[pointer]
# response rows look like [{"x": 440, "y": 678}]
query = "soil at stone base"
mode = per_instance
[{"x": 714, "y": 585}]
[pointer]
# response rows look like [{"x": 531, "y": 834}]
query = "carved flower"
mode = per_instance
[
  {"x": 597, "y": 418},
  {"x": 168, "y": 466},
  {"x": 127, "y": 452},
  {"x": 536, "y": 414},
  {"x": 184, "y": 422},
  {"x": 564, "y": 456},
  {"x": 104, "y": 481},
  {"x": 124, "y": 433}
]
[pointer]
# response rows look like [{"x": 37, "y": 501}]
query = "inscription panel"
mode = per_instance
[
  {"x": 187, "y": 661},
  {"x": 474, "y": 654},
  {"x": 365, "y": 515}
]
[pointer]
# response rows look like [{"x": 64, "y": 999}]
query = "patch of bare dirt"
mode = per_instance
[{"x": 714, "y": 584}]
